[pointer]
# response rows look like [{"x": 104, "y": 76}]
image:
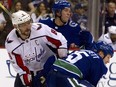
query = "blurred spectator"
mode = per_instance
[
  {"x": 79, "y": 15},
  {"x": 6, "y": 3},
  {"x": 17, "y": 6},
  {"x": 5, "y": 26},
  {"x": 36, "y": 2},
  {"x": 85, "y": 2},
  {"x": 110, "y": 1},
  {"x": 2, "y": 21},
  {"x": 2, "y": 18},
  {"x": 110, "y": 37},
  {"x": 40, "y": 12},
  {"x": 49, "y": 4},
  {"x": 73, "y": 3},
  {"x": 110, "y": 17},
  {"x": 27, "y": 6}
]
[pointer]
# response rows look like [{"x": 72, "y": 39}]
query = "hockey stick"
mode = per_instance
[
  {"x": 8, "y": 64},
  {"x": 6, "y": 10}
]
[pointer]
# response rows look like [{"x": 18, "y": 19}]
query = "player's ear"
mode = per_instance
[
  {"x": 58, "y": 13},
  {"x": 101, "y": 54}
]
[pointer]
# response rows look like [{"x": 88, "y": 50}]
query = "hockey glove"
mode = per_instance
[
  {"x": 26, "y": 79},
  {"x": 86, "y": 38}
]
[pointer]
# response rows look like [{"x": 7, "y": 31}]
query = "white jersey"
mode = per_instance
[
  {"x": 33, "y": 52},
  {"x": 108, "y": 40}
]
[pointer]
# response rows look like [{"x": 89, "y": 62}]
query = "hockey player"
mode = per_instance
[
  {"x": 29, "y": 45},
  {"x": 110, "y": 37},
  {"x": 62, "y": 23},
  {"x": 82, "y": 68}
]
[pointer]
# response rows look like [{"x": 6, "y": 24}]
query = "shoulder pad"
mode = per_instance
[
  {"x": 36, "y": 26},
  {"x": 72, "y": 24}
]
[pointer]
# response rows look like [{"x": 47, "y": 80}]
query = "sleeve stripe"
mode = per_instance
[
  {"x": 20, "y": 63},
  {"x": 68, "y": 67},
  {"x": 57, "y": 43}
]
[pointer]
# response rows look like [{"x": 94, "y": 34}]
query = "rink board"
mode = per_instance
[{"x": 7, "y": 81}]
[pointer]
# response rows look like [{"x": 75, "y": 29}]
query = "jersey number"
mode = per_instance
[{"x": 74, "y": 57}]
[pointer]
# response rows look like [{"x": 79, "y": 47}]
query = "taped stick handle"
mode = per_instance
[{"x": 2, "y": 6}]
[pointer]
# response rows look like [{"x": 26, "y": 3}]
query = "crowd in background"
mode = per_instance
[{"x": 43, "y": 8}]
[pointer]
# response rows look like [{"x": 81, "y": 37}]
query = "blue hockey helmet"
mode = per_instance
[
  {"x": 59, "y": 5},
  {"x": 103, "y": 46}
]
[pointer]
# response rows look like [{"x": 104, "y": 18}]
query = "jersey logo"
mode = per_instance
[
  {"x": 107, "y": 37},
  {"x": 36, "y": 42},
  {"x": 54, "y": 31},
  {"x": 39, "y": 26},
  {"x": 23, "y": 15},
  {"x": 35, "y": 57},
  {"x": 9, "y": 41},
  {"x": 73, "y": 24}
]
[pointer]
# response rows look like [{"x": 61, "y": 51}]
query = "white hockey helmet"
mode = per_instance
[
  {"x": 20, "y": 17},
  {"x": 112, "y": 29}
]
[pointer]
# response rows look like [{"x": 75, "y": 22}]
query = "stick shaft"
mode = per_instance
[{"x": 5, "y": 9}]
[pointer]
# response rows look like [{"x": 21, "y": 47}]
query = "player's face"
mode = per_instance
[
  {"x": 107, "y": 59},
  {"x": 66, "y": 14},
  {"x": 25, "y": 28},
  {"x": 113, "y": 37}
]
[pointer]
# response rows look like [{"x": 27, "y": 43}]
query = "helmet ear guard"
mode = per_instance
[{"x": 20, "y": 17}]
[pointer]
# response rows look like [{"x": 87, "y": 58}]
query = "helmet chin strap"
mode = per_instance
[
  {"x": 60, "y": 17},
  {"x": 104, "y": 57},
  {"x": 62, "y": 20},
  {"x": 21, "y": 34},
  {"x": 19, "y": 31}
]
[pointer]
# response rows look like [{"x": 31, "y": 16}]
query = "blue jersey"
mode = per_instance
[
  {"x": 84, "y": 65},
  {"x": 70, "y": 30}
]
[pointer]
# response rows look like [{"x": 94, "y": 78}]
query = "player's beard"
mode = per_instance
[
  {"x": 65, "y": 20},
  {"x": 24, "y": 34}
]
